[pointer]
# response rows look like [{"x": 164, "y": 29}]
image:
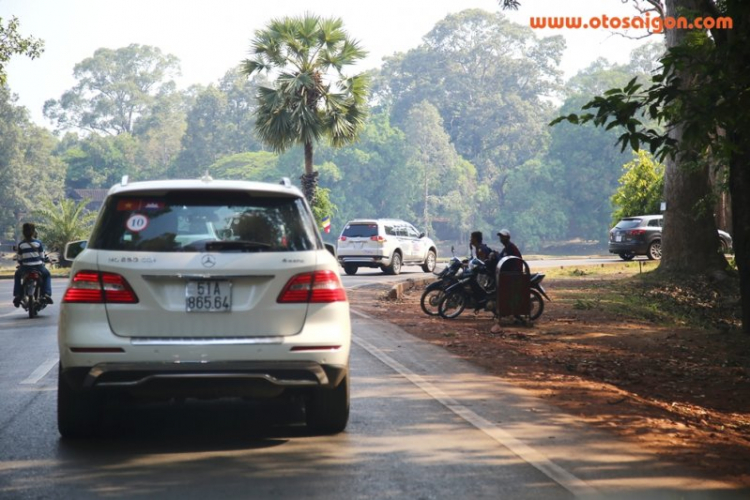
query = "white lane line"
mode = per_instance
[
  {"x": 40, "y": 372},
  {"x": 573, "y": 484}
]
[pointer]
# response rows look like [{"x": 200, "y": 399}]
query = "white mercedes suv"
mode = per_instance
[{"x": 207, "y": 289}]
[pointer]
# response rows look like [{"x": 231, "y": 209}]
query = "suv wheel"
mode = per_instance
[
  {"x": 327, "y": 412},
  {"x": 429, "y": 262},
  {"x": 627, "y": 255},
  {"x": 395, "y": 266},
  {"x": 654, "y": 250},
  {"x": 77, "y": 412},
  {"x": 350, "y": 269}
]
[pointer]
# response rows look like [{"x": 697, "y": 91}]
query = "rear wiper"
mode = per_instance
[{"x": 236, "y": 245}]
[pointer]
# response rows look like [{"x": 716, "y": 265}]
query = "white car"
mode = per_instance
[
  {"x": 386, "y": 244},
  {"x": 206, "y": 289}
]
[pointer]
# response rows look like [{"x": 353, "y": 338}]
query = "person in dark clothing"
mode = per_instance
[
  {"x": 509, "y": 249},
  {"x": 479, "y": 249}
]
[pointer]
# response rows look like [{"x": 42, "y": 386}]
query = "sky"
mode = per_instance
[{"x": 212, "y": 36}]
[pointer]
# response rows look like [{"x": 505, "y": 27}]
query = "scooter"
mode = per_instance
[{"x": 434, "y": 292}]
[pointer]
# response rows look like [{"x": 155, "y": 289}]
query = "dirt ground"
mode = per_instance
[{"x": 682, "y": 391}]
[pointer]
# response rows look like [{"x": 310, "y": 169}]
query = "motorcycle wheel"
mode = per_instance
[
  {"x": 452, "y": 304},
  {"x": 32, "y": 306},
  {"x": 536, "y": 303},
  {"x": 430, "y": 300}
]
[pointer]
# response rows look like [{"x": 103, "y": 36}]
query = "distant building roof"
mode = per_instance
[{"x": 95, "y": 195}]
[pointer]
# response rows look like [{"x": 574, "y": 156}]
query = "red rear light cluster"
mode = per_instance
[
  {"x": 93, "y": 287},
  {"x": 315, "y": 287},
  {"x": 636, "y": 232},
  {"x": 343, "y": 238},
  {"x": 378, "y": 238}
]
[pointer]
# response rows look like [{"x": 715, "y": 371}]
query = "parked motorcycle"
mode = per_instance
[
  {"x": 477, "y": 290},
  {"x": 434, "y": 292}
]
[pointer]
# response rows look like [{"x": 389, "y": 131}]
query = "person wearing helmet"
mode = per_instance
[
  {"x": 30, "y": 255},
  {"x": 509, "y": 248}
]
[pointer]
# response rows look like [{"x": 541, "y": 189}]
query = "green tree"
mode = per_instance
[
  {"x": 29, "y": 170},
  {"x": 115, "y": 88},
  {"x": 99, "y": 162},
  {"x": 488, "y": 78},
  {"x": 302, "y": 107},
  {"x": 63, "y": 221},
  {"x": 701, "y": 95},
  {"x": 12, "y": 42},
  {"x": 641, "y": 188}
]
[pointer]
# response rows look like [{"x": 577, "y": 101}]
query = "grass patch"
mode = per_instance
[
  {"x": 603, "y": 270},
  {"x": 691, "y": 302}
]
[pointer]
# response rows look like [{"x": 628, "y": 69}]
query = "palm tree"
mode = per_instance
[
  {"x": 303, "y": 107},
  {"x": 62, "y": 222}
]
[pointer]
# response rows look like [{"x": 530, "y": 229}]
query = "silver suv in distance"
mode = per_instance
[
  {"x": 204, "y": 289},
  {"x": 386, "y": 244}
]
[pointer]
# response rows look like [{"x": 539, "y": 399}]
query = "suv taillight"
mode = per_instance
[
  {"x": 343, "y": 238},
  {"x": 93, "y": 287},
  {"x": 636, "y": 232},
  {"x": 316, "y": 287},
  {"x": 378, "y": 238}
]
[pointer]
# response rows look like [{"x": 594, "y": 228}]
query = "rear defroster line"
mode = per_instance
[{"x": 573, "y": 484}]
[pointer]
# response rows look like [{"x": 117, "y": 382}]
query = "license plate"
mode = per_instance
[
  {"x": 208, "y": 296},
  {"x": 618, "y": 238}
]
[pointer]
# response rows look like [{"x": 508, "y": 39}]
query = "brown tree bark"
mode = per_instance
[{"x": 689, "y": 237}]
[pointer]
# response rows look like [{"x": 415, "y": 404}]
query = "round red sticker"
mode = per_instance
[{"x": 137, "y": 223}]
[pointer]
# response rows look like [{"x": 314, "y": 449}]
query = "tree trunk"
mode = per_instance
[
  {"x": 426, "y": 213},
  {"x": 739, "y": 182},
  {"x": 689, "y": 239},
  {"x": 310, "y": 178}
]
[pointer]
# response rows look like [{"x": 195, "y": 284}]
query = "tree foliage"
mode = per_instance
[
  {"x": 115, "y": 88},
  {"x": 641, "y": 188},
  {"x": 63, "y": 221},
  {"x": 12, "y": 42},
  {"x": 311, "y": 97}
]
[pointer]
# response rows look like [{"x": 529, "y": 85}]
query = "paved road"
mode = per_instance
[{"x": 424, "y": 425}]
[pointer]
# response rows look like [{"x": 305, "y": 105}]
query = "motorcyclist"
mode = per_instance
[
  {"x": 479, "y": 249},
  {"x": 30, "y": 256},
  {"x": 509, "y": 249}
]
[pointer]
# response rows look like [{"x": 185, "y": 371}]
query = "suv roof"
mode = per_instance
[{"x": 205, "y": 183}]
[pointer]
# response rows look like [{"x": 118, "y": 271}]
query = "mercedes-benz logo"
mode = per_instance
[{"x": 208, "y": 261}]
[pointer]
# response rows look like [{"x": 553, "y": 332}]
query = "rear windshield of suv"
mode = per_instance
[
  {"x": 628, "y": 223},
  {"x": 198, "y": 221},
  {"x": 360, "y": 230}
]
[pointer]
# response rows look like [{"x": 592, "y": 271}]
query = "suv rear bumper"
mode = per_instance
[
  {"x": 365, "y": 260},
  {"x": 204, "y": 380},
  {"x": 636, "y": 247}
]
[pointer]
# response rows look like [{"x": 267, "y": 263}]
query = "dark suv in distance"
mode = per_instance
[{"x": 641, "y": 235}]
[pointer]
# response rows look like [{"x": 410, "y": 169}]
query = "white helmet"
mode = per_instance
[{"x": 504, "y": 232}]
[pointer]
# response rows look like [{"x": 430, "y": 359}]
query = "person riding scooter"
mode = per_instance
[{"x": 30, "y": 256}]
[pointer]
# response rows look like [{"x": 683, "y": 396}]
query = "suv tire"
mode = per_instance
[
  {"x": 327, "y": 411},
  {"x": 429, "y": 262},
  {"x": 654, "y": 250},
  {"x": 350, "y": 269},
  {"x": 78, "y": 412},
  {"x": 395, "y": 267}
]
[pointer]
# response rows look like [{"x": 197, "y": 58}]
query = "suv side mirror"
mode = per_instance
[
  {"x": 73, "y": 248},
  {"x": 422, "y": 235},
  {"x": 331, "y": 249}
]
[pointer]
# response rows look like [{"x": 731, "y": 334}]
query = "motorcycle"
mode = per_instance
[
  {"x": 434, "y": 292},
  {"x": 477, "y": 289},
  {"x": 32, "y": 286}
]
